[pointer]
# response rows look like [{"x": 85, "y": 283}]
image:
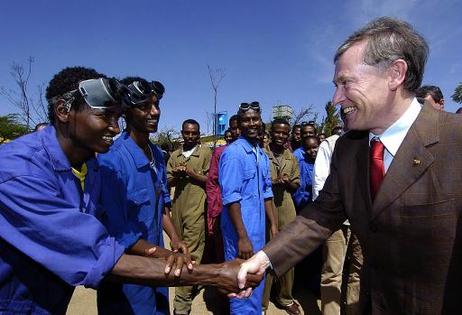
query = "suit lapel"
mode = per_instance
[{"x": 410, "y": 162}]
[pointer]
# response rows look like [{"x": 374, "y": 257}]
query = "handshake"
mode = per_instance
[{"x": 235, "y": 278}]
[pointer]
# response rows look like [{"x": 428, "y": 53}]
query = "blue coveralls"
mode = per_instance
[
  {"x": 49, "y": 239},
  {"x": 302, "y": 196},
  {"x": 134, "y": 194},
  {"x": 244, "y": 177}
]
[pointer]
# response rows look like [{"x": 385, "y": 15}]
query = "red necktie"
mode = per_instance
[{"x": 377, "y": 168}]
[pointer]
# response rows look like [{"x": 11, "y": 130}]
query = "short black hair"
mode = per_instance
[
  {"x": 234, "y": 117},
  {"x": 280, "y": 121},
  {"x": 337, "y": 130},
  {"x": 191, "y": 122},
  {"x": 310, "y": 138},
  {"x": 311, "y": 124},
  {"x": 66, "y": 80},
  {"x": 432, "y": 90}
]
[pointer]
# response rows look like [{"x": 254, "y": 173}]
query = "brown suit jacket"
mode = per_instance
[{"x": 411, "y": 236}]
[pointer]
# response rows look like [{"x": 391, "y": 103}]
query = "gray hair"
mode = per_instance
[{"x": 390, "y": 39}]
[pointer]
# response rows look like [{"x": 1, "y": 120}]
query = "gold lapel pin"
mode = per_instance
[{"x": 416, "y": 162}]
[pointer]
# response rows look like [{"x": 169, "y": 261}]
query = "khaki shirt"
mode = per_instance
[
  {"x": 189, "y": 195},
  {"x": 282, "y": 199}
]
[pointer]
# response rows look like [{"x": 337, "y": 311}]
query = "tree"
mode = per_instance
[
  {"x": 331, "y": 120},
  {"x": 304, "y": 114},
  {"x": 31, "y": 110},
  {"x": 10, "y": 128},
  {"x": 457, "y": 96},
  {"x": 216, "y": 76},
  {"x": 168, "y": 139}
]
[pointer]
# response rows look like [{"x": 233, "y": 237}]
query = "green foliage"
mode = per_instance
[
  {"x": 331, "y": 120},
  {"x": 10, "y": 128},
  {"x": 168, "y": 139},
  {"x": 457, "y": 96}
]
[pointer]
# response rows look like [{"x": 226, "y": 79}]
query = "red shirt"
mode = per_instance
[{"x": 212, "y": 187}]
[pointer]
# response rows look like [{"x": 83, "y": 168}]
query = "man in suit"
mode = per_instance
[{"x": 408, "y": 221}]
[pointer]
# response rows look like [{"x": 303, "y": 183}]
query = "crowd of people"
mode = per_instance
[{"x": 82, "y": 205}]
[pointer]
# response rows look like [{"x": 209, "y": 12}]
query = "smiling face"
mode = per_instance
[
  {"x": 250, "y": 124},
  {"x": 145, "y": 117},
  {"x": 279, "y": 134},
  {"x": 362, "y": 91},
  {"x": 93, "y": 130},
  {"x": 310, "y": 146}
]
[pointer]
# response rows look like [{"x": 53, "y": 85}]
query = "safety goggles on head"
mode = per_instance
[
  {"x": 246, "y": 106},
  {"x": 97, "y": 93},
  {"x": 158, "y": 89},
  {"x": 138, "y": 93}
]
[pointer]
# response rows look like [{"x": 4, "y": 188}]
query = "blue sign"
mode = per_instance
[{"x": 220, "y": 123}]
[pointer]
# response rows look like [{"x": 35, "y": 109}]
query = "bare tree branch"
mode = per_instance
[
  {"x": 303, "y": 114},
  {"x": 21, "y": 99},
  {"x": 216, "y": 76}
]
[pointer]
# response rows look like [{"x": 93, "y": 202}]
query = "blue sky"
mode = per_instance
[{"x": 276, "y": 52}]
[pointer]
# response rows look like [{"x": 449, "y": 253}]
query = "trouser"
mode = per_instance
[
  {"x": 285, "y": 283},
  {"x": 337, "y": 247},
  {"x": 191, "y": 227},
  {"x": 284, "y": 286}
]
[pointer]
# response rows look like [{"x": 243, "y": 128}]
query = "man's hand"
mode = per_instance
[
  {"x": 245, "y": 248},
  {"x": 255, "y": 266},
  {"x": 175, "y": 260},
  {"x": 227, "y": 281},
  {"x": 179, "y": 171},
  {"x": 178, "y": 246}
]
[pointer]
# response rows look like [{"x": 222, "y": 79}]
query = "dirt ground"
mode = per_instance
[
  {"x": 207, "y": 302},
  {"x": 84, "y": 303}
]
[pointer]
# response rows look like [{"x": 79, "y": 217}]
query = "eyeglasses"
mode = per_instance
[{"x": 246, "y": 106}]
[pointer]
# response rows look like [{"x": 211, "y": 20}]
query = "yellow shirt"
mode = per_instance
[{"x": 81, "y": 174}]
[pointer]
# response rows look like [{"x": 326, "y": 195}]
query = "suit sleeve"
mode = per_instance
[{"x": 317, "y": 221}]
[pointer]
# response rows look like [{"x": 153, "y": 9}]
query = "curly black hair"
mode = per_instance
[{"x": 67, "y": 80}]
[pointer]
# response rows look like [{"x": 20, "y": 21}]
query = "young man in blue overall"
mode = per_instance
[
  {"x": 245, "y": 182},
  {"x": 49, "y": 188}
]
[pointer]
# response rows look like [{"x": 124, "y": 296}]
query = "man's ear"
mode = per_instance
[
  {"x": 397, "y": 73},
  {"x": 62, "y": 111}
]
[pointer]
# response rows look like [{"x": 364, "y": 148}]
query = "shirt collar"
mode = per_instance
[
  {"x": 58, "y": 158},
  {"x": 51, "y": 145},
  {"x": 248, "y": 147},
  {"x": 394, "y": 135},
  {"x": 135, "y": 151}
]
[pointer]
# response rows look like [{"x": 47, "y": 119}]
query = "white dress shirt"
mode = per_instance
[
  {"x": 321, "y": 167},
  {"x": 395, "y": 134}
]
